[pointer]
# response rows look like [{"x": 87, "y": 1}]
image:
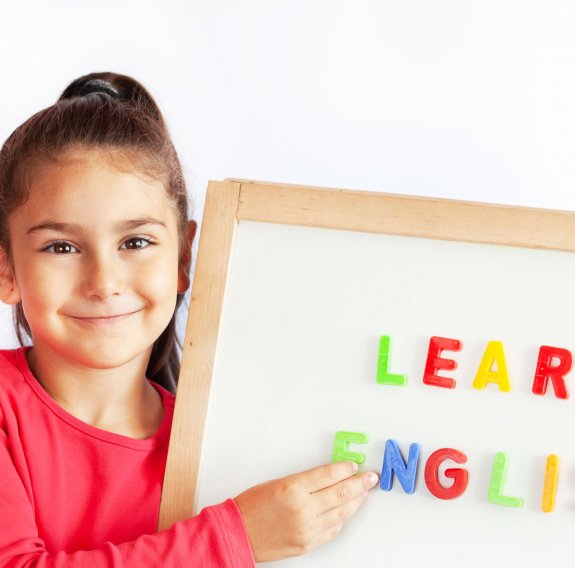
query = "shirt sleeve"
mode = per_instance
[{"x": 215, "y": 538}]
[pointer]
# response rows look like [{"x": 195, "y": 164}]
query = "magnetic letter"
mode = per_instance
[
  {"x": 497, "y": 481},
  {"x": 341, "y": 442},
  {"x": 545, "y": 370},
  {"x": 485, "y": 374},
  {"x": 384, "y": 377},
  {"x": 393, "y": 462},
  {"x": 459, "y": 476},
  {"x": 550, "y": 484},
  {"x": 435, "y": 362}
]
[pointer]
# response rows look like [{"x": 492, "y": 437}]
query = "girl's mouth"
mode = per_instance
[{"x": 103, "y": 319}]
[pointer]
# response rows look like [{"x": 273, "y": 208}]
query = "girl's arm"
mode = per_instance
[
  {"x": 210, "y": 539},
  {"x": 283, "y": 518},
  {"x": 214, "y": 538}
]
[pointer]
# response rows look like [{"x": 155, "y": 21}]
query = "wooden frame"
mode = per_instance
[{"x": 231, "y": 201}]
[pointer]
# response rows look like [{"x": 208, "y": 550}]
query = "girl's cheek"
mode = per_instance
[{"x": 160, "y": 278}]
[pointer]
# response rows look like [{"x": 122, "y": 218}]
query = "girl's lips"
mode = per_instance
[{"x": 103, "y": 320}]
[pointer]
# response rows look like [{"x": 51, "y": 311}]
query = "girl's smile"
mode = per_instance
[
  {"x": 95, "y": 260},
  {"x": 103, "y": 320}
]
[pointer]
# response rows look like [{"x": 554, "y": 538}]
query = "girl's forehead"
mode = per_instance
[
  {"x": 77, "y": 164},
  {"x": 91, "y": 187}
]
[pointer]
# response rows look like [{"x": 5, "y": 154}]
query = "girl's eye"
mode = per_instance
[
  {"x": 61, "y": 248},
  {"x": 136, "y": 243}
]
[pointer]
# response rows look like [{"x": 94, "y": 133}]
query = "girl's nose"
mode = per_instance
[{"x": 103, "y": 278}]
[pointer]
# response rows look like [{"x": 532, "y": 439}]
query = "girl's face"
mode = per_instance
[{"x": 95, "y": 262}]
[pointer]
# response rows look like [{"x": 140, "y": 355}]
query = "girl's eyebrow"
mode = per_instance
[{"x": 120, "y": 227}]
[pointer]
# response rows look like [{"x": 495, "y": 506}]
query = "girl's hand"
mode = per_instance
[{"x": 290, "y": 516}]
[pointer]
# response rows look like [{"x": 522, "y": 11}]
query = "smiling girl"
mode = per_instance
[{"x": 94, "y": 256}]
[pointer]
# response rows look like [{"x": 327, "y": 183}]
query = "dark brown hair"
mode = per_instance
[{"x": 116, "y": 115}]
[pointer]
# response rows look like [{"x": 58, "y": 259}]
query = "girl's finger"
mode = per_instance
[
  {"x": 319, "y": 478},
  {"x": 345, "y": 491},
  {"x": 339, "y": 515}
]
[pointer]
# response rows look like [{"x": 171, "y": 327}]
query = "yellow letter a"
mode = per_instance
[{"x": 485, "y": 374}]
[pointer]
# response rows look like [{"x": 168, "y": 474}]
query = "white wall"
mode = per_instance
[{"x": 450, "y": 98}]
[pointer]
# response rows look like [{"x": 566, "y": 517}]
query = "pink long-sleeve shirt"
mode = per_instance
[{"x": 73, "y": 495}]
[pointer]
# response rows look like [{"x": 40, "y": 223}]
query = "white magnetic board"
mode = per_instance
[{"x": 296, "y": 362}]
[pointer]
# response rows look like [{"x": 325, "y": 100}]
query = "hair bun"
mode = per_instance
[
  {"x": 116, "y": 86},
  {"x": 97, "y": 86},
  {"x": 81, "y": 88}
]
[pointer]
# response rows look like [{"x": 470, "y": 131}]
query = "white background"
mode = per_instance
[{"x": 450, "y": 98}]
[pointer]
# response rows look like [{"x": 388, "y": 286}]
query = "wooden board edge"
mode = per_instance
[
  {"x": 214, "y": 253},
  {"x": 406, "y": 215}
]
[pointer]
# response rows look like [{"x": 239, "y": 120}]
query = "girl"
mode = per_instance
[{"x": 94, "y": 257}]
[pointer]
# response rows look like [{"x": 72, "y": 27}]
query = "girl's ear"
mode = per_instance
[
  {"x": 9, "y": 291},
  {"x": 186, "y": 259}
]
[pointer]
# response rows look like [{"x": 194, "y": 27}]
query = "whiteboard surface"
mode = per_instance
[{"x": 296, "y": 362}]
